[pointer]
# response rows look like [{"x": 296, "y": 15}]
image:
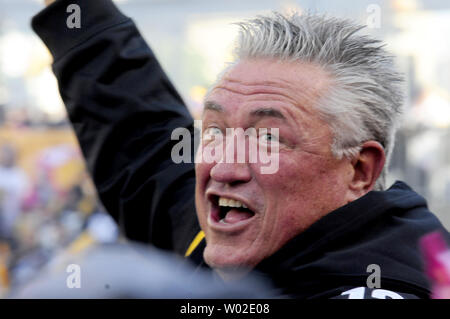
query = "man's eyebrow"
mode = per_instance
[
  {"x": 267, "y": 112},
  {"x": 261, "y": 112},
  {"x": 213, "y": 106}
]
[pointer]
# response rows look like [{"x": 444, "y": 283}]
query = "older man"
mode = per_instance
[{"x": 327, "y": 100}]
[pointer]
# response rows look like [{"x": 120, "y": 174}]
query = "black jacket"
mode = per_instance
[{"x": 123, "y": 109}]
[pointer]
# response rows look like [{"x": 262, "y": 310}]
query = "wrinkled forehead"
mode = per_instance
[{"x": 299, "y": 83}]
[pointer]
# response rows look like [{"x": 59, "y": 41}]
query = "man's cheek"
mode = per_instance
[
  {"x": 271, "y": 164},
  {"x": 277, "y": 174},
  {"x": 202, "y": 171}
]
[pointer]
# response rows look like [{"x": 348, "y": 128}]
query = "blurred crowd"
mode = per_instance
[{"x": 47, "y": 199}]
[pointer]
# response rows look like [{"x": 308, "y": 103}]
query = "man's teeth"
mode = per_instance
[{"x": 228, "y": 202}]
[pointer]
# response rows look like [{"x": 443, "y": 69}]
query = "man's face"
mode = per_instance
[{"x": 309, "y": 182}]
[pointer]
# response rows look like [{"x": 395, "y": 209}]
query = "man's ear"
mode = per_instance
[{"x": 367, "y": 166}]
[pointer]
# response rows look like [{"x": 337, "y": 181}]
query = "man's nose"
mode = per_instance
[
  {"x": 231, "y": 173},
  {"x": 233, "y": 168}
]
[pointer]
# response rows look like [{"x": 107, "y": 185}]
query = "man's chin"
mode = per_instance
[
  {"x": 228, "y": 266},
  {"x": 232, "y": 273}
]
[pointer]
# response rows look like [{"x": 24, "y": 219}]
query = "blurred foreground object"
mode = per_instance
[
  {"x": 437, "y": 264},
  {"x": 131, "y": 271}
]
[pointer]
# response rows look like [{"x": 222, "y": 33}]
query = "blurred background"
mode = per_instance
[{"x": 47, "y": 201}]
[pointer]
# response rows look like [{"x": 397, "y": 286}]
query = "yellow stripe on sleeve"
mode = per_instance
[{"x": 195, "y": 243}]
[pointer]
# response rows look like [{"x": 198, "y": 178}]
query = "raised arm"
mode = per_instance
[{"x": 123, "y": 109}]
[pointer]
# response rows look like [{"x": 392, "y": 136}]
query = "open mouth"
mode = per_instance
[{"x": 228, "y": 211}]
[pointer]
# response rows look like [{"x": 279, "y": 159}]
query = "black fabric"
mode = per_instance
[{"x": 123, "y": 109}]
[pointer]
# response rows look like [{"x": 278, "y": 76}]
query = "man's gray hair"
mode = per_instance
[{"x": 365, "y": 99}]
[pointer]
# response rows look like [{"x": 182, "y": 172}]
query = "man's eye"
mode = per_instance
[
  {"x": 269, "y": 138},
  {"x": 212, "y": 131}
]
